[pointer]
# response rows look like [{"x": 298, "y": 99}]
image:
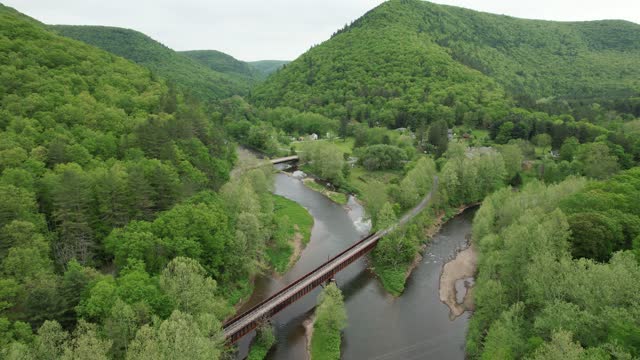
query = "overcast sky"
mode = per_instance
[{"x": 277, "y": 29}]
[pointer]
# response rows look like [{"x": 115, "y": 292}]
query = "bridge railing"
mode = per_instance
[{"x": 303, "y": 278}]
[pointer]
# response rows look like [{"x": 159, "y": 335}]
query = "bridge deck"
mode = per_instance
[
  {"x": 314, "y": 278},
  {"x": 284, "y": 159},
  {"x": 260, "y": 312}
]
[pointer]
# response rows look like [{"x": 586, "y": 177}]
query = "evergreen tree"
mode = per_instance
[{"x": 439, "y": 136}]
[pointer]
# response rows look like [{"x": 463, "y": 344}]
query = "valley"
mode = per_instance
[{"x": 499, "y": 158}]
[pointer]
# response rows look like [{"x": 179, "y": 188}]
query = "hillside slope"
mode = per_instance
[
  {"x": 253, "y": 71},
  {"x": 267, "y": 67},
  {"x": 221, "y": 62},
  {"x": 541, "y": 59},
  {"x": 408, "y": 60},
  {"x": 89, "y": 141},
  {"x": 93, "y": 145},
  {"x": 187, "y": 73}
]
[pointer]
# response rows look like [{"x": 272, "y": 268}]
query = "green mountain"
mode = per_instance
[
  {"x": 221, "y": 62},
  {"x": 89, "y": 142},
  {"x": 202, "y": 81},
  {"x": 218, "y": 61},
  {"x": 409, "y": 60},
  {"x": 267, "y": 67}
]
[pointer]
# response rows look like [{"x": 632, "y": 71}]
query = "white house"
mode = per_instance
[{"x": 313, "y": 136}]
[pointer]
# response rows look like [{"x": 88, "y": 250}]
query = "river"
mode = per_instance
[{"x": 413, "y": 326}]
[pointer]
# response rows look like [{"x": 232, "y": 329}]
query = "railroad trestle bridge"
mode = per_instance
[{"x": 244, "y": 323}]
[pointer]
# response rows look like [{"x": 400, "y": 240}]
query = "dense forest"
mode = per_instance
[
  {"x": 409, "y": 61},
  {"x": 266, "y": 67},
  {"x": 127, "y": 217},
  {"x": 557, "y": 274},
  {"x": 118, "y": 214},
  {"x": 253, "y": 72},
  {"x": 200, "y": 80}
]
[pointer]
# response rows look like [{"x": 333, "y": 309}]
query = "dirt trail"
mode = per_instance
[{"x": 461, "y": 268}]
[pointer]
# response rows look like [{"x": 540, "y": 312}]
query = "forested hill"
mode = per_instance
[
  {"x": 89, "y": 142},
  {"x": 227, "y": 64},
  {"x": 221, "y": 62},
  {"x": 189, "y": 74},
  {"x": 540, "y": 59},
  {"x": 413, "y": 59},
  {"x": 267, "y": 67}
]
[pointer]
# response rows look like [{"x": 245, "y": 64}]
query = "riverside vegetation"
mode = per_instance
[
  {"x": 121, "y": 226},
  {"x": 558, "y": 268},
  {"x": 330, "y": 320}
]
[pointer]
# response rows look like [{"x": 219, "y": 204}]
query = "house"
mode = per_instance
[{"x": 313, "y": 136}]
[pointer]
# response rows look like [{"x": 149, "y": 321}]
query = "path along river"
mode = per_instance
[{"x": 413, "y": 326}]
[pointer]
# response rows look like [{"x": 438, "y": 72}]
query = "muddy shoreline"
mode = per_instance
[
  {"x": 430, "y": 232},
  {"x": 308, "y": 332},
  {"x": 459, "y": 270},
  {"x": 326, "y": 192},
  {"x": 298, "y": 246}
]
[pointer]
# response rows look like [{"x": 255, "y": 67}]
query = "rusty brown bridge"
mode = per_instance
[{"x": 237, "y": 327}]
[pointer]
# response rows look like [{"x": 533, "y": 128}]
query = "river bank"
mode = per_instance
[
  {"x": 456, "y": 282},
  {"x": 417, "y": 324},
  {"x": 431, "y": 230},
  {"x": 334, "y": 230},
  {"x": 409, "y": 326},
  {"x": 308, "y": 332},
  {"x": 337, "y": 197},
  {"x": 293, "y": 232},
  {"x": 289, "y": 238}
]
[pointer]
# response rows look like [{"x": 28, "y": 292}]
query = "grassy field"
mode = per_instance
[
  {"x": 346, "y": 145},
  {"x": 296, "y": 213},
  {"x": 480, "y": 134},
  {"x": 280, "y": 252},
  {"x": 359, "y": 176}
]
